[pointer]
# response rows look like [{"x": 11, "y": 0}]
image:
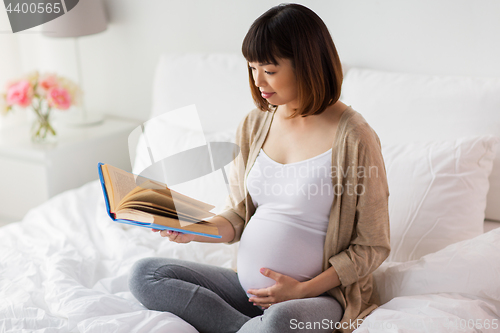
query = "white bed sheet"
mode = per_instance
[
  {"x": 64, "y": 268},
  {"x": 456, "y": 289}
]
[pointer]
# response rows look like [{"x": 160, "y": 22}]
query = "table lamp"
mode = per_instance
[{"x": 86, "y": 18}]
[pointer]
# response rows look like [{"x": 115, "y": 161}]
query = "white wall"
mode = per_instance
[
  {"x": 10, "y": 63},
  {"x": 459, "y": 37},
  {"x": 421, "y": 36}
]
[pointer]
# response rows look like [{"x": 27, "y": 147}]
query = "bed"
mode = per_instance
[{"x": 64, "y": 267}]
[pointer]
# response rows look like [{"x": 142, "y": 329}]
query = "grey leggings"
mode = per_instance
[{"x": 212, "y": 300}]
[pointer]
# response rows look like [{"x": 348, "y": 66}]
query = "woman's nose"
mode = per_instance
[{"x": 259, "y": 81}]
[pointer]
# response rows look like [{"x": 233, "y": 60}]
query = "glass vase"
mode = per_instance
[{"x": 42, "y": 130}]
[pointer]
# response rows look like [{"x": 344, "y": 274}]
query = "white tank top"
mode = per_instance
[{"x": 287, "y": 231}]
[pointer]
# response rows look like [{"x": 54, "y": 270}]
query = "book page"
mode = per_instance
[
  {"x": 151, "y": 209},
  {"x": 109, "y": 188},
  {"x": 127, "y": 198},
  {"x": 134, "y": 215},
  {"x": 122, "y": 183},
  {"x": 167, "y": 203},
  {"x": 163, "y": 189}
]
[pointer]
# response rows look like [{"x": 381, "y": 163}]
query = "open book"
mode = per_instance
[{"x": 147, "y": 203}]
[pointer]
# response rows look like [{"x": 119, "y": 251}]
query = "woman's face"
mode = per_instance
[{"x": 277, "y": 83}]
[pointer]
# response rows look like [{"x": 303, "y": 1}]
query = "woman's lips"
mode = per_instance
[{"x": 266, "y": 95}]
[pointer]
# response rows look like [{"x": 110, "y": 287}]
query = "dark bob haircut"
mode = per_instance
[{"x": 295, "y": 32}]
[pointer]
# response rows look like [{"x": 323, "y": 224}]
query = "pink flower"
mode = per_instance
[
  {"x": 59, "y": 98},
  {"x": 48, "y": 81},
  {"x": 20, "y": 93}
]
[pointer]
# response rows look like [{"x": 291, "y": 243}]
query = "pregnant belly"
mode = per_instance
[{"x": 281, "y": 247}]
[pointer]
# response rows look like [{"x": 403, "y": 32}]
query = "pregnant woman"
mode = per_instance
[{"x": 308, "y": 201}]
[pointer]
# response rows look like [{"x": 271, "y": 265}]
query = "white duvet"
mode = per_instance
[{"x": 64, "y": 268}]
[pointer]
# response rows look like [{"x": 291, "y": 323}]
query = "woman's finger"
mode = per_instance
[
  {"x": 176, "y": 236},
  {"x": 165, "y": 233},
  {"x": 263, "y": 292},
  {"x": 263, "y": 305},
  {"x": 262, "y": 300}
]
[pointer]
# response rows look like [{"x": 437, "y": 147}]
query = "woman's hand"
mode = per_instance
[
  {"x": 284, "y": 289},
  {"x": 175, "y": 236}
]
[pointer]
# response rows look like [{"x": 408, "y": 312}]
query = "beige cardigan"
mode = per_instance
[{"x": 357, "y": 238}]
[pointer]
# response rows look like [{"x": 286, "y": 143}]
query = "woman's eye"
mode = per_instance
[{"x": 270, "y": 73}]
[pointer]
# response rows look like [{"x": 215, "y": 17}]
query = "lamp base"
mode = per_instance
[{"x": 82, "y": 120}]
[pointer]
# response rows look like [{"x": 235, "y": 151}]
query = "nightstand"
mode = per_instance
[{"x": 31, "y": 173}]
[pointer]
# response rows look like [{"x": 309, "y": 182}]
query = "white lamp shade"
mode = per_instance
[{"x": 86, "y": 18}]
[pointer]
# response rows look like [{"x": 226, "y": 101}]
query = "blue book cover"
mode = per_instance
[{"x": 142, "y": 224}]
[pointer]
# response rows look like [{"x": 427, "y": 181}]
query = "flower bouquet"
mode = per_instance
[{"x": 41, "y": 93}]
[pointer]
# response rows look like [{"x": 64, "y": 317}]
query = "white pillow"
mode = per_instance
[
  {"x": 468, "y": 267},
  {"x": 217, "y": 83},
  {"x": 405, "y": 108},
  {"x": 197, "y": 98},
  {"x": 167, "y": 134},
  {"x": 437, "y": 193}
]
